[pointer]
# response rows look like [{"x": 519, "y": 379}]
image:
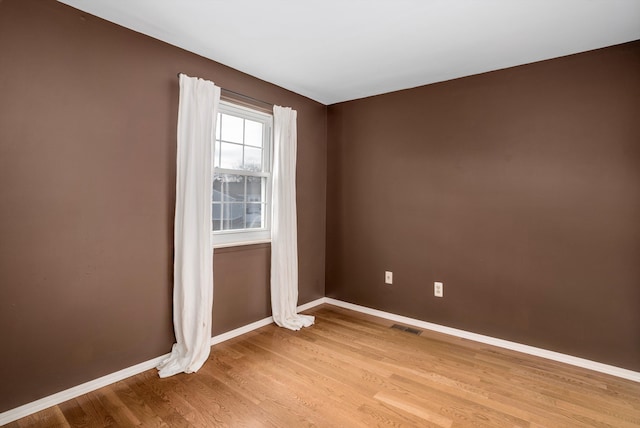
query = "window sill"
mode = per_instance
[{"x": 241, "y": 243}]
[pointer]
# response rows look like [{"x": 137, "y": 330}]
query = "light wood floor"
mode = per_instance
[{"x": 352, "y": 370}]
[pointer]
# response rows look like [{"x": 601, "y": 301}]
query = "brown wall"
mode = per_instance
[
  {"x": 519, "y": 189},
  {"x": 88, "y": 116}
]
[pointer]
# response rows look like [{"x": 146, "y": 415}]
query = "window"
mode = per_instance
[{"x": 241, "y": 196}]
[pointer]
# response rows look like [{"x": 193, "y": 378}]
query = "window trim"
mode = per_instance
[{"x": 238, "y": 237}]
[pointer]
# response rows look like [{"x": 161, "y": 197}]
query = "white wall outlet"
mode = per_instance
[
  {"x": 438, "y": 289},
  {"x": 388, "y": 277}
]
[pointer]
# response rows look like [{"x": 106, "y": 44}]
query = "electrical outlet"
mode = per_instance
[
  {"x": 438, "y": 289},
  {"x": 388, "y": 277}
]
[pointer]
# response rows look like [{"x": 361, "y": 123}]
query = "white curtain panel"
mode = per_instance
[
  {"x": 193, "y": 256},
  {"x": 284, "y": 229}
]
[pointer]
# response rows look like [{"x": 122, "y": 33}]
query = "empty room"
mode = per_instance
[{"x": 353, "y": 213}]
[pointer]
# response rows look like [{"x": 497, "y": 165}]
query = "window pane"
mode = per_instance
[
  {"x": 235, "y": 216},
  {"x": 255, "y": 186},
  {"x": 230, "y": 156},
  {"x": 252, "y": 133},
  {"x": 229, "y": 188},
  {"x": 253, "y": 218},
  {"x": 228, "y": 216},
  {"x": 252, "y": 159},
  {"x": 231, "y": 128},
  {"x": 216, "y": 194},
  {"x": 216, "y": 216}
]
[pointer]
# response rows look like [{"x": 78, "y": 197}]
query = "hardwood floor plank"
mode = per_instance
[
  {"x": 144, "y": 386},
  {"x": 362, "y": 378},
  {"x": 97, "y": 415},
  {"x": 412, "y": 407},
  {"x": 173, "y": 390},
  {"x": 122, "y": 415},
  {"x": 353, "y": 370},
  {"x": 438, "y": 385},
  {"x": 458, "y": 407},
  {"x": 51, "y": 417},
  {"x": 73, "y": 413},
  {"x": 229, "y": 405},
  {"x": 137, "y": 406},
  {"x": 310, "y": 389},
  {"x": 379, "y": 415}
]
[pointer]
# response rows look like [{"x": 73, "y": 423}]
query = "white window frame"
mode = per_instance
[{"x": 236, "y": 237}]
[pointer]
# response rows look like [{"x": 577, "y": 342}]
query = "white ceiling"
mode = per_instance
[{"x": 338, "y": 50}]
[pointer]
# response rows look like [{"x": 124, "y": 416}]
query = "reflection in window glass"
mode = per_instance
[
  {"x": 253, "y": 216},
  {"x": 255, "y": 189}
]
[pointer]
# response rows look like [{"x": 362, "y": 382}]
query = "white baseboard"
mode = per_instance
[
  {"x": 76, "y": 391},
  {"x": 240, "y": 330},
  {"x": 68, "y": 394},
  {"x": 525, "y": 349},
  {"x": 312, "y": 304},
  {"x": 260, "y": 323}
]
